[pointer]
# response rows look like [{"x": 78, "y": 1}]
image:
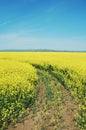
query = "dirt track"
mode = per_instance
[{"x": 43, "y": 118}]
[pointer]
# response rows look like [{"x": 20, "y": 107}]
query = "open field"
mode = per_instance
[{"x": 42, "y": 91}]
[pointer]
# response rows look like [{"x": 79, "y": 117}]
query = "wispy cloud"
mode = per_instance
[
  {"x": 16, "y": 41},
  {"x": 5, "y": 22},
  {"x": 15, "y": 19}
]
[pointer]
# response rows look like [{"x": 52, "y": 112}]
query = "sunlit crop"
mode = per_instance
[
  {"x": 18, "y": 80},
  {"x": 17, "y": 89}
]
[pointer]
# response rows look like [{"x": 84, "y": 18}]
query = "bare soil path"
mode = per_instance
[
  {"x": 44, "y": 114},
  {"x": 68, "y": 111}
]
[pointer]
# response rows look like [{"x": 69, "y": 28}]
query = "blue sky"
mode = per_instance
[{"x": 43, "y": 24}]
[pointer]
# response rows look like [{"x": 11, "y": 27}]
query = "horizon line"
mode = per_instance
[{"x": 39, "y": 50}]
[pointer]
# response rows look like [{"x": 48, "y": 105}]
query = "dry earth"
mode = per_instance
[{"x": 39, "y": 117}]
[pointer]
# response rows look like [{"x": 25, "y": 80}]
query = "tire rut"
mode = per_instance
[
  {"x": 68, "y": 112},
  {"x": 42, "y": 118},
  {"x": 31, "y": 121}
]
